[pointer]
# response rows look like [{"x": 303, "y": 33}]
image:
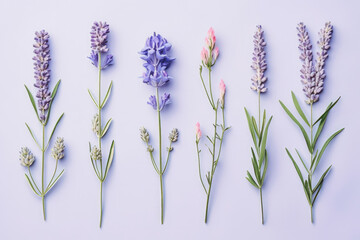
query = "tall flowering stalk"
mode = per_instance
[
  {"x": 312, "y": 76},
  {"x": 209, "y": 56},
  {"x": 42, "y": 109},
  {"x": 99, "y": 38},
  {"x": 157, "y": 60},
  {"x": 259, "y": 130}
]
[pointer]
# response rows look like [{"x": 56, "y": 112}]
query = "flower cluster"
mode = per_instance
[
  {"x": 259, "y": 63},
  {"x": 96, "y": 154},
  {"x": 99, "y": 38},
  {"x": 26, "y": 157},
  {"x": 222, "y": 88},
  {"x": 42, "y": 72},
  {"x": 209, "y": 53},
  {"x": 58, "y": 150},
  {"x": 96, "y": 125},
  {"x": 313, "y": 77},
  {"x": 156, "y": 55}
]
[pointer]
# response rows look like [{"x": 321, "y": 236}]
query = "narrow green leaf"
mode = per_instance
[
  {"x": 53, "y": 94},
  {"x": 320, "y": 186},
  {"x": 307, "y": 193},
  {"x": 321, "y": 179},
  {"x": 263, "y": 143},
  {"x": 263, "y": 125},
  {"x": 110, "y": 159},
  {"x": 319, "y": 130},
  {"x": 32, "y": 102},
  {"x": 298, "y": 108},
  {"x": 313, "y": 159},
  {"x": 52, "y": 133},
  {"x": 302, "y": 160},
  {"x": 55, "y": 181},
  {"x": 299, "y": 125},
  {"x": 325, "y": 145},
  {"x": 209, "y": 139},
  {"x": 252, "y": 131},
  {"x": 296, "y": 167},
  {"x": 326, "y": 111},
  {"x": 255, "y": 166},
  {"x": 32, "y": 135},
  {"x": 255, "y": 126},
  {"x": 31, "y": 185},
  {"x": 93, "y": 98},
  {"x": 251, "y": 180},
  {"x": 107, "y": 125},
  {"x": 107, "y": 95},
  {"x": 265, "y": 168}
]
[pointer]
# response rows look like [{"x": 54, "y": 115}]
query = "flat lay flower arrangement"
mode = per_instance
[
  {"x": 312, "y": 78},
  {"x": 42, "y": 109},
  {"x": 157, "y": 61},
  {"x": 101, "y": 59}
]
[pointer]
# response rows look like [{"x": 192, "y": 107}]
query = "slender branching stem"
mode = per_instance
[
  {"x": 43, "y": 171},
  {"x": 99, "y": 137},
  {"x": 160, "y": 156}
]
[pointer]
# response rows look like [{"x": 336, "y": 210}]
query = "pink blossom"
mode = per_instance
[
  {"x": 211, "y": 36},
  {"x": 222, "y": 92},
  {"x": 204, "y": 55},
  {"x": 197, "y": 131},
  {"x": 216, "y": 53}
]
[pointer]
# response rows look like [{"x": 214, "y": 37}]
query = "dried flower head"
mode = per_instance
[
  {"x": 26, "y": 157},
  {"x": 313, "y": 77},
  {"x": 99, "y": 34},
  {"x": 144, "y": 135},
  {"x": 95, "y": 153},
  {"x": 259, "y": 62},
  {"x": 42, "y": 72},
  {"x": 96, "y": 124},
  {"x": 57, "y": 152},
  {"x": 174, "y": 135}
]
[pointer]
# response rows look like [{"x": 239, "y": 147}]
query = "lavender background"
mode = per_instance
[{"x": 132, "y": 191}]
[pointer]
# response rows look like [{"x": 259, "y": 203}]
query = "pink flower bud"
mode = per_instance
[
  {"x": 211, "y": 36},
  {"x": 216, "y": 53},
  {"x": 204, "y": 56},
  {"x": 222, "y": 93},
  {"x": 197, "y": 131}
]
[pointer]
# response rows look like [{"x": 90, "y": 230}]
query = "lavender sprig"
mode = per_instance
[
  {"x": 259, "y": 62},
  {"x": 157, "y": 61},
  {"x": 258, "y": 130},
  {"x": 313, "y": 80},
  {"x": 42, "y": 110},
  {"x": 99, "y": 40}
]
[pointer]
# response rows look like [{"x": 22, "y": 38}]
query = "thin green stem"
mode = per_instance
[
  {"x": 207, "y": 203},
  {"x": 43, "y": 170},
  {"x": 311, "y": 210},
  {"x": 259, "y": 110},
  {"x": 198, "y": 155},
  {"x": 167, "y": 158},
  {"x": 33, "y": 180},
  {"x": 160, "y": 156},
  {"x": 262, "y": 209},
  {"x": 101, "y": 205},
  {"x": 311, "y": 156},
  {"x": 99, "y": 111},
  {"x": 207, "y": 94},
  {"x": 212, "y": 99},
  {"x": 52, "y": 178}
]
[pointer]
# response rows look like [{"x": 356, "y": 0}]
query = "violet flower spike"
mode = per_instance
[
  {"x": 42, "y": 72},
  {"x": 259, "y": 62}
]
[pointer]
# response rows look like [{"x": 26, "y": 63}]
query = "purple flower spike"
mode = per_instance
[
  {"x": 313, "y": 77},
  {"x": 155, "y": 53},
  {"x": 42, "y": 72},
  {"x": 165, "y": 100},
  {"x": 99, "y": 34},
  {"x": 259, "y": 62}
]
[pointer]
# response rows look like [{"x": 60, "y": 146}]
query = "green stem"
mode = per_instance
[
  {"x": 207, "y": 94},
  {"x": 160, "y": 156},
  {"x": 207, "y": 203},
  {"x": 311, "y": 155},
  {"x": 198, "y": 155},
  {"x": 101, "y": 184},
  {"x": 262, "y": 209},
  {"x": 259, "y": 109},
  {"x": 52, "y": 178},
  {"x": 212, "y": 99},
  {"x": 311, "y": 210},
  {"x": 43, "y": 170}
]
